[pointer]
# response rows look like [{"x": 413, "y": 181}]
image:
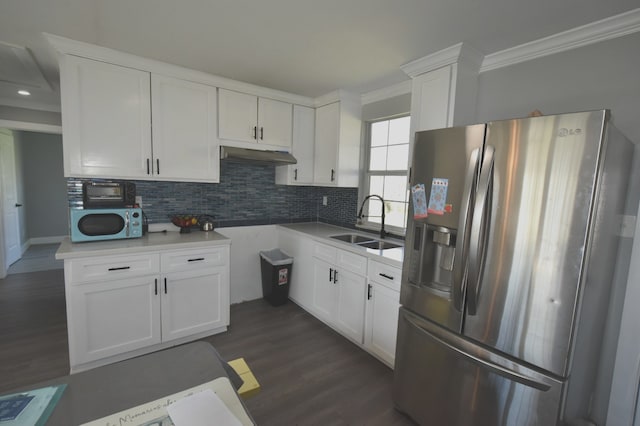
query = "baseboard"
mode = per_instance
[
  {"x": 46, "y": 240},
  {"x": 24, "y": 247}
]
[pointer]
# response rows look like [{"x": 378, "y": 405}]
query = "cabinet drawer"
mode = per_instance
[
  {"x": 325, "y": 252},
  {"x": 352, "y": 262},
  {"x": 107, "y": 268},
  {"x": 186, "y": 260},
  {"x": 385, "y": 275}
]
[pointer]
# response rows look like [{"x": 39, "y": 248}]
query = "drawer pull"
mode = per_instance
[
  {"x": 165, "y": 286},
  {"x": 197, "y": 259},
  {"x": 156, "y": 289},
  {"x": 120, "y": 268},
  {"x": 389, "y": 277}
]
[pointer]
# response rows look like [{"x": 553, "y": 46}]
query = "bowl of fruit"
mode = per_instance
[{"x": 184, "y": 221}]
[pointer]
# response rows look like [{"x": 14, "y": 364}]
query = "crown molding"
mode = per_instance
[
  {"x": 30, "y": 127},
  {"x": 605, "y": 29},
  {"x": 458, "y": 53},
  {"x": 99, "y": 53},
  {"x": 16, "y": 103},
  {"x": 397, "y": 89}
]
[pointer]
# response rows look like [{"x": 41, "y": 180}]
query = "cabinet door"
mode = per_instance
[
  {"x": 324, "y": 291},
  {"x": 194, "y": 301},
  {"x": 275, "y": 122},
  {"x": 382, "y": 322},
  {"x": 112, "y": 317},
  {"x": 349, "y": 318},
  {"x": 326, "y": 144},
  {"x": 106, "y": 116},
  {"x": 304, "y": 124},
  {"x": 185, "y": 142},
  {"x": 238, "y": 116},
  {"x": 431, "y": 100}
]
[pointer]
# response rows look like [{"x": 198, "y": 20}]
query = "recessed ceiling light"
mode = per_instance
[{"x": 23, "y": 93}]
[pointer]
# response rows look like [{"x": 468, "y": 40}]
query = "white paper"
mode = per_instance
[{"x": 201, "y": 409}]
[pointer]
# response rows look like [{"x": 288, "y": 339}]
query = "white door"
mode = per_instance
[
  {"x": 304, "y": 124},
  {"x": 112, "y": 317},
  {"x": 382, "y": 322},
  {"x": 10, "y": 202},
  {"x": 351, "y": 297},
  {"x": 326, "y": 144},
  {"x": 275, "y": 122},
  {"x": 238, "y": 116},
  {"x": 184, "y": 130},
  {"x": 193, "y": 302},
  {"x": 106, "y": 116},
  {"x": 324, "y": 292}
]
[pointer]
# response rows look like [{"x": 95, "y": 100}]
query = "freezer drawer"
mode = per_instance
[{"x": 442, "y": 379}]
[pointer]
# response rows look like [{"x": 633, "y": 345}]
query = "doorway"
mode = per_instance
[{"x": 43, "y": 194}]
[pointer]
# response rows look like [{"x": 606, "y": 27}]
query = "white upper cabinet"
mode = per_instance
[
  {"x": 106, "y": 119},
  {"x": 249, "y": 119},
  {"x": 337, "y": 144},
  {"x": 430, "y": 95},
  {"x": 301, "y": 173},
  {"x": 107, "y": 113},
  {"x": 185, "y": 145}
]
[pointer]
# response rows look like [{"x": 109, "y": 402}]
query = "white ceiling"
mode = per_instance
[{"x": 307, "y": 47}]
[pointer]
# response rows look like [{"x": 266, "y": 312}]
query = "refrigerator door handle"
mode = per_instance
[
  {"x": 480, "y": 229},
  {"x": 462, "y": 244},
  {"x": 482, "y": 357}
]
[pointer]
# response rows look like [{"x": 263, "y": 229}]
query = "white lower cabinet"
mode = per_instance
[
  {"x": 339, "y": 290},
  {"x": 383, "y": 304},
  {"x": 357, "y": 296},
  {"x": 108, "y": 318},
  {"x": 123, "y": 306}
]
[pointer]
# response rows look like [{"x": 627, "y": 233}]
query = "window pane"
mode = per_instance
[
  {"x": 396, "y": 214},
  {"x": 399, "y": 130},
  {"x": 378, "y": 158},
  {"x": 379, "y": 133},
  {"x": 398, "y": 157},
  {"x": 395, "y": 188},
  {"x": 376, "y": 185},
  {"x": 375, "y": 207}
]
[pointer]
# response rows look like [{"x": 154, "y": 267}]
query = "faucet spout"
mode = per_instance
[{"x": 360, "y": 215}]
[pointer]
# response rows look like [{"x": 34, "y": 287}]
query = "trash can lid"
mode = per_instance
[{"x": 276, "y": 257}]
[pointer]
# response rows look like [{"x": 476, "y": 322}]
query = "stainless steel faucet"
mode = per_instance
[{"x": 360, "y": 215}]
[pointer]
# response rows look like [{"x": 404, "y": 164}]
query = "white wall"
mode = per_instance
[
  {"x": 601, "y": 75},
  {"x": 246, "y": 244}
]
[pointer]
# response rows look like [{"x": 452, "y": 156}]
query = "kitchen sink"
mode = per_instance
[
  {"x": 379, "y": 245},
  {"x": 353, "y": 238}
]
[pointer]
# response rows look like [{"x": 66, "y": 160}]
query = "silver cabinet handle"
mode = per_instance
[
  {"x": 462, "y": 245},
  {"x": 480, "y": 229}
]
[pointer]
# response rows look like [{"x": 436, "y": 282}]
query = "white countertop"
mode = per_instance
[
  {"x": 322, "y": 232},
  {"x": 151, "y": 241}
]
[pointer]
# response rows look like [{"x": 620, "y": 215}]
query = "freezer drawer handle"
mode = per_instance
[
  {"x": 462, "y": 247},
  {"x": 477, "y": 355},
  {"x": 480, "y": 229}
]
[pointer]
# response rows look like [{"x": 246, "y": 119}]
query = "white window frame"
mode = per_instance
[{"x": 366, "y": 173}]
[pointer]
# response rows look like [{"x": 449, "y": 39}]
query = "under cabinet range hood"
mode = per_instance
[{"x": 256, "y": 156}]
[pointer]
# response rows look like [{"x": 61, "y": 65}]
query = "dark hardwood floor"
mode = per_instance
[{"x": 309, "y": 374}]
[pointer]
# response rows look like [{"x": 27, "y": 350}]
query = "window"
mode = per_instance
[{"x": 386, "y": 173}]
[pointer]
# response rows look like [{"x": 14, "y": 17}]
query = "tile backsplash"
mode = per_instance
[{"x": 246, "y": 195}]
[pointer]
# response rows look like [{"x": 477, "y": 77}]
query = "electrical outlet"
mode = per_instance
[{"x": 324, "y": 200}]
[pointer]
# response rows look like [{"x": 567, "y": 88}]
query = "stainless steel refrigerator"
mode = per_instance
[{"x": 510, "y": 257}]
